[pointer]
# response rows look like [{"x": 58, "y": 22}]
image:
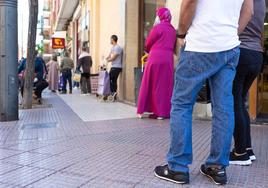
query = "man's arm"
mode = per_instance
[
  {"x": 72, "y": 64},
  {"x": 188, "y": 8},
  {"x": 109, "y": 56},
  {"x": 112, "y": 58},
  {"x": 246, "y": 13},
  {"x": 116, "y": 52}
]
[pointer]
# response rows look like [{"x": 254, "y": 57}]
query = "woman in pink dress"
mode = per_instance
[{"x": 157, "y": 82}]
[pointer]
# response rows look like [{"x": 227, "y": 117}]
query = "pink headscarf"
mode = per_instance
[{"x": 164, "y": 14}]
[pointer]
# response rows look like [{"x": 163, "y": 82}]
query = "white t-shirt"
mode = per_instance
[{"x": 214, "y": 27}]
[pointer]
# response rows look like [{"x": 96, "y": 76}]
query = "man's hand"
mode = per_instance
[{"x": 180, "y": 42}]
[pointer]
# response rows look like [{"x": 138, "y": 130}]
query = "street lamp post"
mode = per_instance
[{"x": 8, "y": 60}]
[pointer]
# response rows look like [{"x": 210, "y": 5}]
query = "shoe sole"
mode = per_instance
[
  {"x": 170, "y": 180},
  {"x": 241, "y": 163},
  {"x": 252, "y": 158},
  {"x": 212, "y": 178}
]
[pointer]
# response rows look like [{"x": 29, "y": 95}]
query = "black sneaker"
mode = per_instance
[
  {"x": 164, "y": 173},
  {"x": 242, "y": 160},
  {"x": 251, "y": 155},
  {"x": 218, "y": 176}
]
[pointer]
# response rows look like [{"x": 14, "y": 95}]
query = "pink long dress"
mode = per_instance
[{"x": 157, "y": 82}]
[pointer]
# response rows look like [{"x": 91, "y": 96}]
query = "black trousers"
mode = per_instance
[
  {"x": 85, "y": 83},
  {"x": 250, "y": 64},
  {"x": 114, "y": 73},
  {"x": 39, "y": 88},
  {"x": 67, "y": 76}
]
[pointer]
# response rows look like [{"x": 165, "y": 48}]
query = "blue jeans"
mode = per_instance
[
  {"x": 191, "y": 72},
  {"x": 67, "y": 77}
]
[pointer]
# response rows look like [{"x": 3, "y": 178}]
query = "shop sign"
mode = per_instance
[{"x": 58, "y": 43}]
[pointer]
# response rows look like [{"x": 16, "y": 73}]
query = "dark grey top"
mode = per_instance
[{"x": 251, "y": 37}]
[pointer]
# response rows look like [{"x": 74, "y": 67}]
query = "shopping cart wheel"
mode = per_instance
[
  {"x": 110, "y": 98},
  {"x": 105, "y": 98}
]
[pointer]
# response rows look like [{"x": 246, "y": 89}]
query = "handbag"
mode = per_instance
[{"x": 77, "y": 77}]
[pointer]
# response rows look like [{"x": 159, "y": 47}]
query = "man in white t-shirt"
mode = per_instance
[{"x": 208, "y": 34}]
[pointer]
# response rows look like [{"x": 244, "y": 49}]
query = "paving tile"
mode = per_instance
[
  {"x": 60, "y": 180},
  {"x": 54, "y": 149},
  {"x": 25, "y": 176},
  {"x": 5, "y": 153},
  {"x": 28, "y": 145},
  {"x": 102, "y": 110},
  {"x": 26, "y": 158},
  {"x": 54, "y": 163},
  {"x": 108, "y": 183},
  {"x": 109, "y": 153},
  {"x": 4, "y": 185},
  {"x": 6, "y": 167}
]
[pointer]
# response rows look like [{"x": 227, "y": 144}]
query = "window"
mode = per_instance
[{"x": 150, "y": 7}]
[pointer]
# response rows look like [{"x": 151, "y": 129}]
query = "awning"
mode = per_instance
[{"x": 65, "y": 14}]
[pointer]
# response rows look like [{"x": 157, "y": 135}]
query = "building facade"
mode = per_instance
[{"x": 92, "y": 22}]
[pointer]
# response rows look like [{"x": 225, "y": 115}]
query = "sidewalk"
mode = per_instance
[{"x": 54, "y": 147}]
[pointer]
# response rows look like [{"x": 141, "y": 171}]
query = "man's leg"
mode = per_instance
[
  {"x": 256, "y": 68},
  {"x": 239, "y": 104},
  {"x": 64, "y": 79},
  {"x": 221, "y": 85},
  {"x": 191, "y": 73},
  {"x": 112, "y": 78},
  {"x": 116, "y": 75},
  {"x": 70, "y": 81},
  {"x": 83, "y": 85},
  {"x": 88, "y": 84}
]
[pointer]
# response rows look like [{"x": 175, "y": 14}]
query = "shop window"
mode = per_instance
[{"x": 150, "y": 7}]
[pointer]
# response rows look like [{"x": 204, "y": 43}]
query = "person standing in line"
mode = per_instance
[
  {"x": 157, "y": 82},
  {"x": 250, "y": 64},
  {"x": 85, "y": 61},
  {"x": 53, "y": 73},
  {"x": 209, "y": 51},
  {"x": 66, "y": 67},
  {"x": 116, "y": 58}
]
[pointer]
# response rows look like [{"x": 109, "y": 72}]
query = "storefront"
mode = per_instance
[{"x": 258, "y": 96}]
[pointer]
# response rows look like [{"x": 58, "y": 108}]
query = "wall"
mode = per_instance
[
  {"x": 120, "y": 17},
  {"x": 107, "y": 18},
  {"x": 131, "y": 49},
  {"x": 174, "y": 7}
]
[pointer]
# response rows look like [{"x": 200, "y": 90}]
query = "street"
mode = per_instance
[{"x": 53, "y": 147}]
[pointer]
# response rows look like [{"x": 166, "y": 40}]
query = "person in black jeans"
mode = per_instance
[
  {"x": 114, "y": 74},
  {"x": 115, "y": 57},
  {"x": 250, "y": 65},
  {"x": 85, "y": 61},
  {"x": 66, "y": 67}
]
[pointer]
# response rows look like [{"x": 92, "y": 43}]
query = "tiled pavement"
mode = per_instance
[
  {"x": 102, "y": 110},
  {"x": 111, "y": 153}
]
